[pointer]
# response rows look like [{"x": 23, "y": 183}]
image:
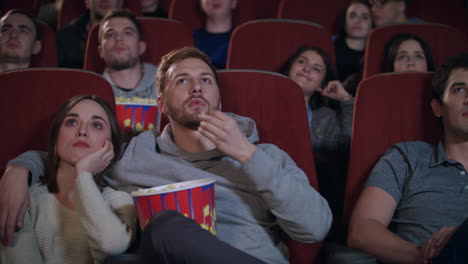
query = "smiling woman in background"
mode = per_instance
[
  {"x": 330, "y": 113},
  {"x": 73, "y": 217}
]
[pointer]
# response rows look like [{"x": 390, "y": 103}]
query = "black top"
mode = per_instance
[
  {"x": 159, "y": 12},
  {"x": 71, "y": 42},
  {"x": 348, "y": 60}
]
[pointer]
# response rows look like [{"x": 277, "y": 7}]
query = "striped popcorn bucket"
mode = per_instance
[{"x": 194, "y": 199}]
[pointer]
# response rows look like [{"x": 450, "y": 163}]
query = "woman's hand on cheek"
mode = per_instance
[
  {"x": 97, "y": 161},
  {"x": 336, "y": 91}
]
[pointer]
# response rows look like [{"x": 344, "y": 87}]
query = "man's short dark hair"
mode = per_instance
[
  {"x": 386, "y": 1},
  {"x": 37, "y": 28},
  {"x": 176, "y": 56},
  {"x": 125, "y": 13},
  {"x": 439, "y": 82}
]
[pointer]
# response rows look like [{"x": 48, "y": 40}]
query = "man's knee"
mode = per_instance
[{"x": 169, "y": 225}]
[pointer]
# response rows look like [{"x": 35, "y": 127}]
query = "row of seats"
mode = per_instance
[
  {"x": 275, "y": 102},
  {"x": 70, "y": 10},
  {"x": 326, "y": 13},
  {"x": 261, "y": 45}
]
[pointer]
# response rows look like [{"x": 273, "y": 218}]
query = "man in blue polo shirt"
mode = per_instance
[{"x": 417, "y": 194}]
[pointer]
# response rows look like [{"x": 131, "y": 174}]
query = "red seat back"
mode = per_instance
[
  {"x": 277, "y": 105},
  {"x": 72, "y": 9},
  {"x": 31, "y": 98},
  {"x": 389, "y": 108},
  {"x": 47, "y": 57},
  {"x": 165, "y": 4},
  {"x": 266, "y": 8},
  {"x": 444, "y": 42},
  {"x": 453, "y": 13},
  {"x": 266, "y": 44},
  {"x": 325, "y": 13},
  {"x": 29, "y": 6},
  {"x": 190, "y": 13},
  {"x": 161, "y": 36}
]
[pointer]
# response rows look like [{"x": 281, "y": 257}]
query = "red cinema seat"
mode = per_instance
[
  {"x": 29, "y": 6},
  {"x": 277, "y": 105},
  {"x": 266, "y": 8},
  {"x": 266, "y": 44},
  {"x": 453, "y": 13},
  {"x": 389, "y": 108},
  {"x": 72, "y": 9},
  {"x": 444, "y": 42},
  {"x": 30, "y": 99},
  {"x": 165, "y": 4},
  {"x": 47, "y": 57},
  {"x": 189, "y": 12},
  {"x": 161, "y": 36},
  {"x": 325, "y": 13}
]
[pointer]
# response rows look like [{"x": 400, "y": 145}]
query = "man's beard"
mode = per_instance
[
  {"x": 14, "y": 59},
  {"x": 122, "y": 64},
  {"x": 182, "y": 117}
]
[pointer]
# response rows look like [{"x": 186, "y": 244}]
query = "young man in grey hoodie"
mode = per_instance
[
  {"x": 259, "y": 188},
  {"x": 121, "y": 46}
]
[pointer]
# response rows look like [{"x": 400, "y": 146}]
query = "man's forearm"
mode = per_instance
[
  {"x": 34, "y": 161},
  {"x": 301, "y": 211},
  {"x": 374, "y": 238}
]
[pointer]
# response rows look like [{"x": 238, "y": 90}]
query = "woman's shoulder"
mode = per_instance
[{"x": 37, "y": 190}]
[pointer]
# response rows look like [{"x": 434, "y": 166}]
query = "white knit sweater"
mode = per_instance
[{"x": 102, "y": 225}]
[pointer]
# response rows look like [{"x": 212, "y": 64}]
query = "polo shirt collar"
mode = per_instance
[{"x": 439, "y": 157}]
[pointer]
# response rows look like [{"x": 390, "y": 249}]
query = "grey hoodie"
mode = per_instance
[{"x": 253, "y": 200}]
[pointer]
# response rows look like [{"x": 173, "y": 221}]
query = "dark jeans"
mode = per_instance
[
  {"x": 456, "y": 250},
  {"x": 172, "y": 238}
]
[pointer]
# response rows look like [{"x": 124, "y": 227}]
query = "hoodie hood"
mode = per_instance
[{"x": 167, "y": 146}]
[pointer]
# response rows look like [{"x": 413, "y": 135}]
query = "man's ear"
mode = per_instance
[
  {"x": 401, "y": 7},
  {"x": 436, "y": 108},
  {"x": 99, "y": 50},
  {"x": 161, "y": 105},
  {"x": 37, "y": 47},
  {"x": 142, "y": 46}
]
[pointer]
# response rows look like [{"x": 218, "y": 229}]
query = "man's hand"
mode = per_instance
[
  {"x": 225, "y": 133},
  {"x": 14, "y": 201},
  {"x": 96, "y": 162},
  {"x": 434, "y": 245},
  {"x": 336, "y": 91}
]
